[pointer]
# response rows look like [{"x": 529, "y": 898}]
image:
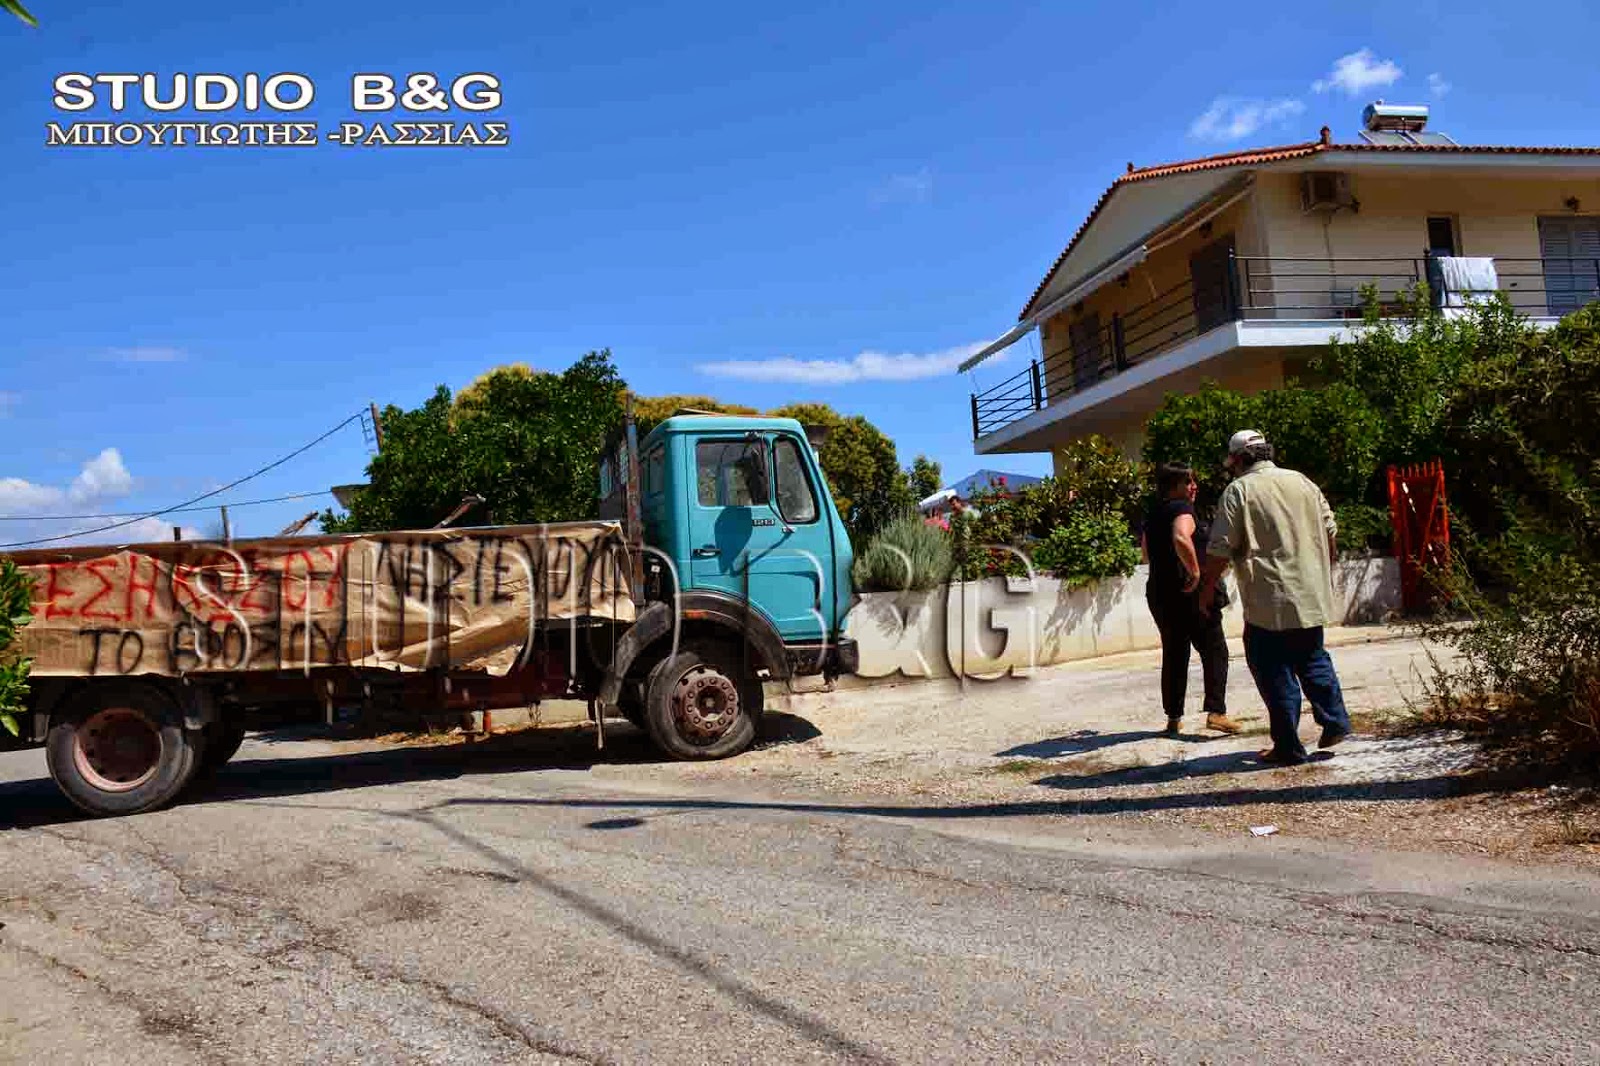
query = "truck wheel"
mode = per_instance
[
  {"x": 121, "y": 749},
  {"x": 633, "y": 711},
  {"x": 696, "y": 709},
  {"x": 222, "y": 742}
]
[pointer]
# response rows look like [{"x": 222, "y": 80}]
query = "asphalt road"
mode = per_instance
[{"x": 461, "y": 906}]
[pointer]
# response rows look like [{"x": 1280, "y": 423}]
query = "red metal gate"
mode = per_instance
[{"x": 1421, "y": 523}]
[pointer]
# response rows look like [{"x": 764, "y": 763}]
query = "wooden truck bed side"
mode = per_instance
[{"x": 409, "y": 600}]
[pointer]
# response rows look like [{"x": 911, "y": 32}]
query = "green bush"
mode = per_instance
[
  {"x": 1528, "y": 672},
  {"x": 1333, "y": 435},
  {"x": 908, "y": 555},
  {"x": 1093, "y": 474},
  {"x": 1093, "y": 479},
  {"x": 16, "y": 600},
  {"x": 1363, "y": 526},
  {"x": 1089, "y": 546},
  {"x": 1523, "y": 456},
  {"x": 1194, "y": 428}
]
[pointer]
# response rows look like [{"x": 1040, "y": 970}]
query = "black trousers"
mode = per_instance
[{"x": 1182, "y": 627}]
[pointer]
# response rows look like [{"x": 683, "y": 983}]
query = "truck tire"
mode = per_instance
[
  {"x": 696, "y": 708},
  {"x": 222, "y": 742},
  {"x": 120, "y": 748}
]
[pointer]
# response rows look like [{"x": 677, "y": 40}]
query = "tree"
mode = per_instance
[
  {"x": 864, "y": 473},
  {"x": 527, "y": 441},
  {"x": 16, "y": 599},
  {"x": 651, "y": 411},
  {"x": 21, "y": 12},
  {"x": 926, "y": 477}
]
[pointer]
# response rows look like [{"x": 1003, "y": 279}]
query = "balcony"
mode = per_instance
[{"x": 1312, "y": 298}]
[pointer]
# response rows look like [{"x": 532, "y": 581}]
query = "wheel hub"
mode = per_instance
[
  {"x": 117, "y": 749},
  {"x": 705, "y": 704}
]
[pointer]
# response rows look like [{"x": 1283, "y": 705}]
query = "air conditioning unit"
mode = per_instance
[{"x": 1325, "y": 190}]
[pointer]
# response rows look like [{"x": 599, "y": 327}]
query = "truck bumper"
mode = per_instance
[{"x": 833, "y": 659}]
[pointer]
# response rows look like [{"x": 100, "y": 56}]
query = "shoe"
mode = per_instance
[
  {"x": 1172, "y": 728},
  {"x": 1331, "y": 736},
  {"x": 1274, "y": 757},
  {"x": 1222, "y": 723}
]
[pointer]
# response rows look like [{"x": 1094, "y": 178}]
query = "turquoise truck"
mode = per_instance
[{"x": 719, "y": 565}]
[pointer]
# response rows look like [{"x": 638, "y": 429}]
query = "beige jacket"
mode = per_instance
[{"x": 1275, "y": 525}]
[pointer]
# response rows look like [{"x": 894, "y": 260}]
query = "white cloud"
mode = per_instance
[
  {"x": 101, "y": 481},
  {"x": 1357, "y": 72},
  {"x": 1437, "y": 85},
  {"x": 144, "y": 531},
  {"x": 901, "y": 188},
  {"x": 103, "y": 477},
  {"x": 1231, "y": 118},
  {"x": 866, "y": 366},
  {"x": 148, "y": 354},
  {"x": 19, "y": 497}
]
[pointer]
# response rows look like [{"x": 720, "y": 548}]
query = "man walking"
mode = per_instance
[{"x": 1276, "y": 526}]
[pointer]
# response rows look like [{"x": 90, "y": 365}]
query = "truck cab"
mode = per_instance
[{"x": 744, "y": 556}]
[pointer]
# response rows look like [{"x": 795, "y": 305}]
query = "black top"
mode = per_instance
[{"x": 1166, "y": 572}]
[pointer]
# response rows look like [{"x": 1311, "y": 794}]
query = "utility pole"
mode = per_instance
[
  {"x": 377, "y": 425},
  {"x": 227, "y": 531}
]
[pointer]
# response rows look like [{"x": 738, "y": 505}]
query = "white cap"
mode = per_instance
[{"x": 1243, "y": 439}]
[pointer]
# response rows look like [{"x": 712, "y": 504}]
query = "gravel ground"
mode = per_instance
[{"x": 1083, "y": 740}]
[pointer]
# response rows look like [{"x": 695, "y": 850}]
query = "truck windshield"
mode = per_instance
[{"x": 795, "y": 500}]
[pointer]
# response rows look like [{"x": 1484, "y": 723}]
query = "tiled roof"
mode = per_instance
[{"x": 1256, "y": 156}]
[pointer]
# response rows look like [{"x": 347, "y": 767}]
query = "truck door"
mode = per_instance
[{"x": 744, "y": 545}]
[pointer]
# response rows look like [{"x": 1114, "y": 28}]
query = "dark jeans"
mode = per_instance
[
  {"x": 1282, "y": 662},
  {"x": 1181, "y": 625}
]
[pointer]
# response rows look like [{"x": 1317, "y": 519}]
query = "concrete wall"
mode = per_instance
[{"x": 1010, "y": 627}]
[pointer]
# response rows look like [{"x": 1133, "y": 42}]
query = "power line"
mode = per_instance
[
  {"x": 171, "y": 510},
  {"x": 186, "y": 503}
]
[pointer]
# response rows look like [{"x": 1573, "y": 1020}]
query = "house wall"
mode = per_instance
[
  {"x": 1496, "y": 216},
  {"x": 1248, "y": 371},
  {"x": 1165, "y": 270}
]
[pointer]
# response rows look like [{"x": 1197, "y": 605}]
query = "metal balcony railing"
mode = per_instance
[{"x": 1255, "y": 288}]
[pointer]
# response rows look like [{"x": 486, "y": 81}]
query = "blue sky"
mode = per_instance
[{"x": 807, "y": 202}]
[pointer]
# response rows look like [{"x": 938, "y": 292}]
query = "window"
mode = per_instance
[
  {"x": 1442, "y": 236},
  {"x": 654, "y": 471},
  {"x": 724, "y": 474},
  {"x": 796, "y": 503},
  {"x": 1570, "y": 248}
]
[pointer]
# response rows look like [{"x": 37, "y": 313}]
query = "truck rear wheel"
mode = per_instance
[
  {"x": 120, "y": 749},
  {"x": 222, "y": 742},
  {"x": 698, "y": 709}
]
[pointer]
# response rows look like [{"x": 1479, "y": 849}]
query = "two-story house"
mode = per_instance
[{"x": 1238, "y": 268}]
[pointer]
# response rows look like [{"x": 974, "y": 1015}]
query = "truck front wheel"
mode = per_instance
[
  {"x": 120, "y": 749},
  {"x": 698, "y": 709}
]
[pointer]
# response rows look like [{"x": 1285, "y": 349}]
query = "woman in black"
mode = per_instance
[{"x": 1174, "y": 551}]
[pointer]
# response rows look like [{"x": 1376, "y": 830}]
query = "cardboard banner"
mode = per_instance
[{"x": 402, "y": 601}]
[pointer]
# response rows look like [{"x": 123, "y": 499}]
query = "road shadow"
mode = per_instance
[
  {"x": 1229, "y": 762},
  {"x": 1087, "y": 740},
  {"x": 281, "y": 772}
]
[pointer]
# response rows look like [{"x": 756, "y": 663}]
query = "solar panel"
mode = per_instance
[{"x": 1401, "y": 138}]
